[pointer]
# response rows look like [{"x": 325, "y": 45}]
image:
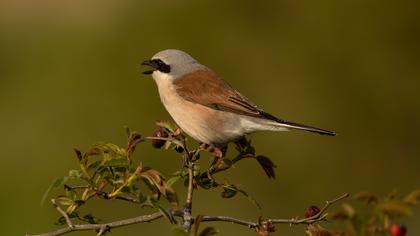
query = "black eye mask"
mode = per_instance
[{"x": 156, "y": 64}]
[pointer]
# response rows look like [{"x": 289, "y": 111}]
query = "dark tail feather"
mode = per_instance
[{"x": 293, "y": 125}]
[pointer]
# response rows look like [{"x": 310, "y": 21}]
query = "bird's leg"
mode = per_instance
[{"x": 218, "y": 154}]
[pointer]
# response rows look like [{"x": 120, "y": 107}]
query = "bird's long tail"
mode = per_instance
[{"x": 293, "y": 125}]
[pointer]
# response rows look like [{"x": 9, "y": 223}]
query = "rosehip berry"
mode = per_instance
[
  {"x": 160, "y": 133},
  {"x": 398, "y": 229},
  {"x": 311, "y": 211}
]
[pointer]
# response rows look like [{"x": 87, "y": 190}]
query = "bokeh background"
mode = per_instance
[{"x": 69, "y": 77}]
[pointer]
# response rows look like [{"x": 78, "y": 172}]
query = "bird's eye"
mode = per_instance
[{"x": 162, "y": 67}]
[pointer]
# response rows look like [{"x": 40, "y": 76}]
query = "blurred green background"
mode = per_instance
[{"x": 69, "y": 77}]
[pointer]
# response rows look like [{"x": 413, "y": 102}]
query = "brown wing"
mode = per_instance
[{"x": 206, "y": 88}]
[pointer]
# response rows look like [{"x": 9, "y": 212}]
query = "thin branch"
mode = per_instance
[
  {"x": 103, "y": 230},
  {"x": 108, "y": 226},
  {"x": 321, "y": 216},
  {"x": 293, "y": 221},
  {"x": 250, "y": 224},
  {"x": 63, "y": 213},
  {"x": 190, "y": 185},
  {"x": 188, "y": 218}
]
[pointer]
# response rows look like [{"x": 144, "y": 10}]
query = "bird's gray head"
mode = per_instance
[{"x": 172, "y": 62}]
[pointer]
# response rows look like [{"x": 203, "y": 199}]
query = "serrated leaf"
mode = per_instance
[
  {"x": 208, "y": 231},
  {"x": 229, "y": 191},
  {"x": 394, "y": 208},
  {"x": 107, "y": 150},
  {"x": 413, "y": 198},
  {"x": 177, "y": 231},
  {"x": 155, "y": 181}
]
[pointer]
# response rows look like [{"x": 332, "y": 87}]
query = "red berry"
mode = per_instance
[
  {"x": 159, "y": 133},
  {"x": 311, "y": 211},
  {"x": 398, "y": 229}
]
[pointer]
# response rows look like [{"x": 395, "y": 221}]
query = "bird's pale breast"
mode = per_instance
[{"x": 200, "y": 122}]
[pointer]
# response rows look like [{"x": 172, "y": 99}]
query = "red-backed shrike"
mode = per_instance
[{"x": 205, "y": 106}]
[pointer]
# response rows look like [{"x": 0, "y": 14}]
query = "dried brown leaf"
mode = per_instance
[
  {"x": 267, "y": 165},
  {"x": 155, "y": 179}
]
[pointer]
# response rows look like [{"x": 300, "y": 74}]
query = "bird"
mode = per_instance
[{"x": 205, "y": 106}]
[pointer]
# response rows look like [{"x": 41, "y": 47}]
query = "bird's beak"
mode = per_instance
[{"x": 150, "y": 63}]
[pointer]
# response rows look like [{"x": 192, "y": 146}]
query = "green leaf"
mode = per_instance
[
  {"x": 71, "y": 193},
  {"x": 120, "y": 162},
  {"x": 167, "y": 125},
  {"x": 60, "y": 181},
  {"x": 250, "y": 198},
  {"x": 413, "y": 198},
  {"x": 57, "y": 182},
  {"x": 208, "y": 231},
  {"x": 91, "y": 219},
  {"x": 203, "y": 181},
  {"x": 61, "y": 221},
  {"x": 177, "y": 231},
  {"x": 64, "y": 201},
  {"x": 145, "y": 200},
  {"x": 108, "y": 151},
  {"x": 94, "y": 165},
  {"x": 167, "y": 214},
  {"x": 229, "y": 191},
  {"x": 173, "y": 180},
  {"x": 79, "y": 202},
  {"x": 75, "y": 174}
]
